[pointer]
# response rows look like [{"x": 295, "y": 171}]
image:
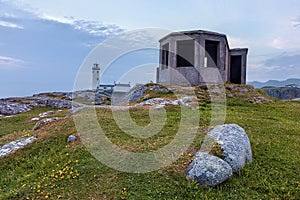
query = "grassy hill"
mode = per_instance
[{"x": 51, "y": 168}]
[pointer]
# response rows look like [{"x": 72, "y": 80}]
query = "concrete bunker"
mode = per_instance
[{"x": 190, "y": 52}]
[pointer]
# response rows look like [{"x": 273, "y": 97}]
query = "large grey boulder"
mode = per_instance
[
  {"x": 208, "y": 170},
  {"x": 235, "y": 144}
]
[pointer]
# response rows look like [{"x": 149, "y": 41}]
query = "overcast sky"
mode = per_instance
[{"x": 44, "y": 43}]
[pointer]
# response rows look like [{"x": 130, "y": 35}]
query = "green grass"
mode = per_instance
[
  {"x": 17, "y": 125},
  {"x": 50, "y": 167}
]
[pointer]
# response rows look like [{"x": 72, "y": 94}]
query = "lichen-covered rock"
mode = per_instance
[
  {"x": 137, "y": 94},
  {"x": 161, "y": 101},
  {"x": 58, "y": 103},
  {"x": 45, "y": 114},
  {"x": 15, "y": 145},
  {"x": 44, "y": 121},
  {"x": 208, "y": 170},
  {"x": 235, "y": 144},
  {"x": 13, "y": 108}
]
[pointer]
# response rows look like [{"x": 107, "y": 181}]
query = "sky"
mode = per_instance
[{"x": 43, "y": 44}]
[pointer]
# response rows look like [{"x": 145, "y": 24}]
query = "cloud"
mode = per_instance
[
  {"x": 236, "y": 42},
  {"x": 10, "y": 25},
  {"x": 282, "y": 66},
  {"x": 278, "y": 43},
  {"x": 10, "y": 63},
  {"x": 288, "y": 38},
  {"x": 17, "y": 16},
  {"x": 296, "y": 22},
  {"x": 94, "y": 28},
  {"x": 47, "y": 46},
  {"x": 291, "y": 42},
  {"x": 259, "y": 67},
  {"x": 284, "y": 61},
  {"x": 64, "y": 20}
]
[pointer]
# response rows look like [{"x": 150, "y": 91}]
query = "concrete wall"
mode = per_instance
[{"x": 243, "y": 53}]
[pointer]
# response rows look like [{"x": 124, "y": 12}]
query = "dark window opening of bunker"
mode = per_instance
[
  {"x": 165, "y": 55},
  {"x": 235, "y": 69},
  {"x": 185, "y": 53},
  {"x": 211, "y": 53}
]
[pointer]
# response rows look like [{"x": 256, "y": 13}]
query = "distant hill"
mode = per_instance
[{"x": 275, "y": 83}]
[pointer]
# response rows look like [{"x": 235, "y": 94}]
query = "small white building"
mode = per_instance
[
  {"x": 115, "y": 87},
  {"x": 122, "y": 87},
  {"x": 95, "y": 76}
]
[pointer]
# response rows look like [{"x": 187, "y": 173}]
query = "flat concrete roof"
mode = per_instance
[
  {"x": 239, "y": 49},
  {"x": 193, "y": 32}
]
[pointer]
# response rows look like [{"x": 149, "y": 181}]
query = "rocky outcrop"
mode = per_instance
[
  {"x": 160, "y": 101},
  {"x": 13, "y": 108},
  {"x": 53, "y": 103},
  {"x": 287, "y": 93},
  {"x": 21, "y": 105},
  {"x": 15, "y": 145},
  {"x": 246, "y": 93},
  {"x": 96, "y": 98},
  {"x": 137, "y": 93}
]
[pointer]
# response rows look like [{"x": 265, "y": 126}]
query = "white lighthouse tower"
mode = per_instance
[{"x": 95, "y": 74}]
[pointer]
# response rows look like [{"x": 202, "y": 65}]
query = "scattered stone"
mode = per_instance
[
  {"x": 244, "y": 89},
  {"x": 35, "y": 119},
  {"x": 259, "y": 99},
  {"x": 59, "y": 111},
  {"x": 230, "y": 87},
  {"x": 15, "y": 145},
  {"x": 208, "y": 170},
  {"x": 187, "y": 99},
  {"x": 71, "y": 138},
  {"x": 158, "y": 107},
  {"x": 234, "y": 143},
  {"x": 41, "y": 123},
  {"x": 45, "y": 114}
]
